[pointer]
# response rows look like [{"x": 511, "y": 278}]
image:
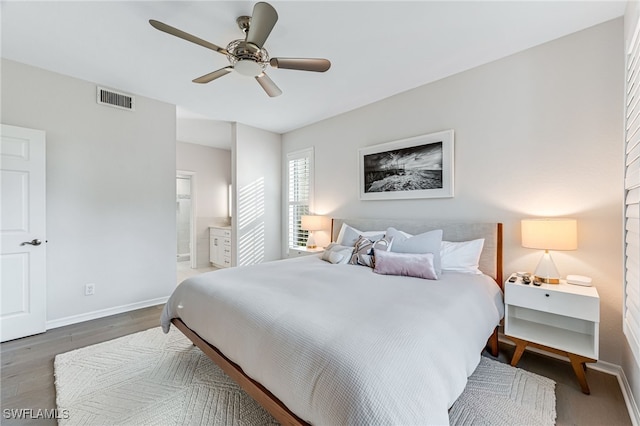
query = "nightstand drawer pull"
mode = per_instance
[{"x": 547, "y": 294}]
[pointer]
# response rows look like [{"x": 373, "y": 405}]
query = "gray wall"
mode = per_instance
[
  {"x": 257, "y": 177},
  {"x": 110, "y": 193},
  {"x": 537, "y": 133}
]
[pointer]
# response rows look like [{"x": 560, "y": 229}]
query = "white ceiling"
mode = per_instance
[{"x": 377, "y": 48}]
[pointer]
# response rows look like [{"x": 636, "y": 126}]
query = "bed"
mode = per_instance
[{"x": 322, "y": 343}]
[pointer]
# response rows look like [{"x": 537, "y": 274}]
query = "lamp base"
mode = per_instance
[
  {"x": 546, "y": 280},
  {"x": 311, "y": 241},
  {"x": 546, "y": 272}
]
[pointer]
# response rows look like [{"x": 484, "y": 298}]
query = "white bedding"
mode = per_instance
[{"x": 339, "y": 344}]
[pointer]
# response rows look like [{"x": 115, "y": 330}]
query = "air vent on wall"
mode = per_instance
[{"x": 116, "y": 99}]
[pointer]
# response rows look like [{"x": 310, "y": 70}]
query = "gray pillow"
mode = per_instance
[
  {"x": 335, "y": 253},
  {"x": 428, "y": 242}
]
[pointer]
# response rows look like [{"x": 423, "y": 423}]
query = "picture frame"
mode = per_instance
[{"x": 417, "y": 167}]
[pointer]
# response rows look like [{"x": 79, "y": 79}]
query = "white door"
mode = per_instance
[{"x": 23, "y": 286}]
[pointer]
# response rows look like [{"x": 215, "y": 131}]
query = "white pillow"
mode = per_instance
[
  {"x": 461, "y": 257},
  {"x": 427, "y": 242},
  {"x": 335, "y": 253},
  {"x": 348, "y": 235}
]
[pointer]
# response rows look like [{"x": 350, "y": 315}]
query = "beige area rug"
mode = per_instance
[{"x": 150, "y": 378}]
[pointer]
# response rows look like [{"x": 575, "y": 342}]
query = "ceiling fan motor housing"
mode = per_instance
[{"x": 247, "y": 58}]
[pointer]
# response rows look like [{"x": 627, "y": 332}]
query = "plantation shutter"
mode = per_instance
[
  {"x": 299, "y": 193},
  {"x": 631, "y": 314}
]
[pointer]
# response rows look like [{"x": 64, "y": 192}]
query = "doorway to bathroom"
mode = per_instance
[{"x": 185, "y": 220}]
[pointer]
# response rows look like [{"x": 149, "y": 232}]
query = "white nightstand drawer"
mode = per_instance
[
  {"x": 303, "y": 251},
  {"x": 556, "y": 300}
]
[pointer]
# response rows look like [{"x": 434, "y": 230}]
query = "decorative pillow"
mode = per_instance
[
  {"x": 419, "y": 265},
  {"x": 461, "y": 257},
  {"x": 335, "y": 253},
  {"x": 348, "y": 235},
  {"x": 428, "y": 242},
  {"x": 363, "y": 250}
]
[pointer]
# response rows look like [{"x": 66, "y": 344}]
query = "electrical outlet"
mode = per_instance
[{"x": 89, "y": 289}]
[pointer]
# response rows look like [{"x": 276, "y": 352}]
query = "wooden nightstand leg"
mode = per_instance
[
  {"x": 579, "y": 367},
  {"x": 517, "y": 354},
  {"x": 578, "y": 362}
]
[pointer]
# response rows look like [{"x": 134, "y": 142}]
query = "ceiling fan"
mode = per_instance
[{"x": 248, "y": 56}]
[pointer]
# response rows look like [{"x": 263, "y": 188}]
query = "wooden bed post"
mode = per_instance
[
  {"x": 493, "y": 340},
  {"x": 499, "y": 278},
  {"x": 493, "y": 343}
]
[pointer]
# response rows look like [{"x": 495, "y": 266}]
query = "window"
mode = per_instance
[
  {"x": 299, "y": 194},
  {"x": 631, "y": 310}
]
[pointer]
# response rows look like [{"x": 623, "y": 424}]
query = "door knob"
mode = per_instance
[{"x": 34, "y": 242}]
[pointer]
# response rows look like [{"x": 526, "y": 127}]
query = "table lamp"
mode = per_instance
[
  {"x": 312, "y": 223},
  {"x": 549, "y": 234}
]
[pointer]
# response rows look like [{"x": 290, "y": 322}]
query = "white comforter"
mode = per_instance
[{"x": 339, "y": 344}]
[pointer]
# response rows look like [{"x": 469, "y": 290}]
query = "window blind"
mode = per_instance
[
  {"x": 299, "y": 195},
  {"x": 631, "y": 312}
]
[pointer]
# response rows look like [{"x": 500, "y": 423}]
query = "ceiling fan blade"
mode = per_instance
[
  {"x": 302, "y": 64},
  {"x": 262, "y": 22},
  {"x": 213, "y": 75},
  {"x": 186, "y": 36},
  {"x": 268, "y": 85}
]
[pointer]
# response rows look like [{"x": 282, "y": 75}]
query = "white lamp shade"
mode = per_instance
[
  {"x": 550, "y": 234},
  {"x": 312, "y": 223}
]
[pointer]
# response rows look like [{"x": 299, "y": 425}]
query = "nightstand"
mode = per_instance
[
  {"x": 559, "y": 318},
  {"x": 303, "y": 251}
]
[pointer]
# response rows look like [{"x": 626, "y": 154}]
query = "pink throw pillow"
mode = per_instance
[{"x": 419, "y": 265}]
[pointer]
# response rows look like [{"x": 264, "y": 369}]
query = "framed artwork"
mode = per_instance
[{"x": 418, "y": 167}]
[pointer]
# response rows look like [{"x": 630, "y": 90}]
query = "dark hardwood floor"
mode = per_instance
[{"x": 27, "y": 380}]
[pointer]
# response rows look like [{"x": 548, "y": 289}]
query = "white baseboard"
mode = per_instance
[
  {"x": 605, "y": 367},
  {"x": 616, "y": 370},
  {"x": 74, "y": 319}
]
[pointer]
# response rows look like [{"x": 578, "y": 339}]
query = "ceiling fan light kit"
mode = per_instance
[{"x": 248, "y": 56}]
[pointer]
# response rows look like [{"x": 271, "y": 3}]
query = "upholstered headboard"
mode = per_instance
[{"x": 490, "y": 260}]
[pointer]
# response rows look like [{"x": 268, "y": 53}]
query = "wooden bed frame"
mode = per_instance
[
  {"x": 258, "y": 392},
  {"x": 261, "y": 394}
]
